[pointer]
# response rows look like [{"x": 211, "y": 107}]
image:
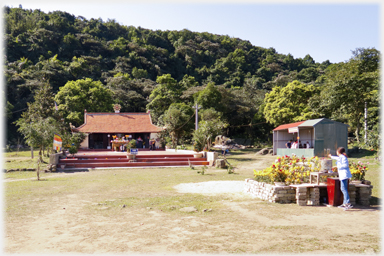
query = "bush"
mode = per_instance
[
  {"x": 73, "y": 150},
  {"x": 131, "y": 144}
]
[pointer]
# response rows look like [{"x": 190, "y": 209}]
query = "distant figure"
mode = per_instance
[
  {"x": 152, "y": 144},
  {"x": 140, "y": 142},
  {"x": 294, "y": 144},
  {"x": 224, "y": 149},
  {"x": 307, "y": 145},
  {"x": 300, "y": 145},
  {"x": 288, "y": 144}
]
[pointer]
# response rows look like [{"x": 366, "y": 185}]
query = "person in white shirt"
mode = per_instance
[{"x": 344, "y": 175}]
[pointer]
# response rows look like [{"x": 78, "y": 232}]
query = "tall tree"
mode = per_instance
[
  {"x": 289, "y": 104},
  {"x": 348, "y": 86},
  {"x": 167, "y": 91},
  {"x": 80, "y": 95},
  {"x": 178, "y": 121}
]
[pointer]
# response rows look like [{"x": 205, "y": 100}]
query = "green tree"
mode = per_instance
[
  {"x": 131, "y": 94},
  {"x": 289, "y": 104},
  {"x": 209, "y": 97},
  {"x": 167, "y": 91},
  {"x": 348, "y": 86},
  {"x": 207, "y": 131},
  {"x": 43, "y": 105},
  {"x": 76, "y": 96},
  {"x": 38, "y": 133},
  {"x": 177, "y": 120}
]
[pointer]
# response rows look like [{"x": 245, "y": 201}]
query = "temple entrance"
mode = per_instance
[{"x": 98, "y": 141}]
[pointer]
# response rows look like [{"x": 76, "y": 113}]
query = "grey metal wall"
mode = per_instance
[{"x": 330, "y": 135}]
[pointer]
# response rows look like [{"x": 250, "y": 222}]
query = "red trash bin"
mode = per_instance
[{"x": 335, "y": 196}]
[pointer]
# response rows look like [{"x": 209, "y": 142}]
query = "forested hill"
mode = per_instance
[{"x": 58, "y": 47}]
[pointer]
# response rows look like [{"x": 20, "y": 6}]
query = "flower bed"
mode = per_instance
[
  {"x": 294, "y": 170},
  {"x": 358, "y": 170},
  {"x": 288, "y": 169}
]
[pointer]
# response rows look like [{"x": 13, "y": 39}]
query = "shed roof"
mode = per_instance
[
  {"x": 307, "y": 123},
  {"x": 117, "y": 123},
  {"x": 286, "y": 126}
]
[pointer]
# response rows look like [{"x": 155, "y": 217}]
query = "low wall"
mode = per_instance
[
  {"x": 54, "y": 158},
  {"x": 271, "y": 193},
  {"x": 304, "y": 194}
]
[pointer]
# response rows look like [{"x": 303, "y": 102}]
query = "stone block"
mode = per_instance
[
  {"x": 301, "y": 189},
  {"x": 301, "y": 197},
  {"x": 301, "y": 202},
  {"x": 220, "y": 163}
]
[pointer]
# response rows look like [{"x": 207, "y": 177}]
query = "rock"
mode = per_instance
[
  {"x": 366, "y": 182},
  {"x": 207, "y": 210},
  {"x": 220, "y": 163},
  {"x": 270, "y": 151},
  {"x": 264, "y": 151},
  {"x": 369, "y": 251},
  {"x": 189, "y": 209},
  {"x": 149, "y": 208},
  {"x": 172, "y": 208}
]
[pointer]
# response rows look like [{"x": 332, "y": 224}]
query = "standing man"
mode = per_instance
[{"x": 288, "y": 144}]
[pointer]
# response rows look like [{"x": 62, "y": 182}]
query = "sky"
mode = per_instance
[{"x": 323, "y": 29}]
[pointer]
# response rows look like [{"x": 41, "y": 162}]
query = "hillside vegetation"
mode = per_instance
[{"x": 56, "y": 55}]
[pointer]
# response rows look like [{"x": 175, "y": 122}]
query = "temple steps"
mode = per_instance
[{"x": 112, "y": 161}]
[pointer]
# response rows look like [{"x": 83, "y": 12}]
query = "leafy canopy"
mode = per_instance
[
  {"x": 289, "y": 104},
  {"x": 76, "y": 96}
]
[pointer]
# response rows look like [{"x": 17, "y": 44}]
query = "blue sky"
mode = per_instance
[{"x": 324, "y": 31}]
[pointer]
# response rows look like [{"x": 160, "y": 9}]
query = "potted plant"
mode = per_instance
[
  {"x": 198, "y": 147},
  {"x": 131, "y": 144},
  {"x": 198, "y": 144},
  {"x": 117, "y": 108}
]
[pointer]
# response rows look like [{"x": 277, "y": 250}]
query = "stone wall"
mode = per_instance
[
  {"x": 304, "y": 194},
  {"x": 363, "y": 194},
  {"x": 274, "y": 194}
]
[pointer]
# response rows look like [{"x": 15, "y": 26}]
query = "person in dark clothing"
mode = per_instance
[{"x": 288, "y": 144}]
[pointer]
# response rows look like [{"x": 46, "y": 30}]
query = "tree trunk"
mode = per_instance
[
  {"x": 31, "y": 152},
  {"x": 357, "y": 131}
]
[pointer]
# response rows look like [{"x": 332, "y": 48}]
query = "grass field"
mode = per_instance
[{"x": 138, "y": 211}]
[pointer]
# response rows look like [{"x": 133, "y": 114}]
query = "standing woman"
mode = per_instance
[{"x": 344, "y": 175}]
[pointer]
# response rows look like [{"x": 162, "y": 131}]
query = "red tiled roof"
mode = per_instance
[
  {"x": 286, "y": 126},
  {"x": 117, "y": 123}
]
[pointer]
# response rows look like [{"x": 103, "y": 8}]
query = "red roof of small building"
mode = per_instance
[
  {"x": 286, "y": 126},
  {"x": 117, "y": 123}
]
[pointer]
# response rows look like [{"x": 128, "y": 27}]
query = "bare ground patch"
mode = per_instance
[{"x": 138, "y": 211}]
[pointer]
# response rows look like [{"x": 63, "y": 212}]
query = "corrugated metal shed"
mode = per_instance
[{"x": 322, "y": 134}]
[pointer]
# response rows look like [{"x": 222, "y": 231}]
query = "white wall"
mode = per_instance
[{"x": 84, "y": 144}]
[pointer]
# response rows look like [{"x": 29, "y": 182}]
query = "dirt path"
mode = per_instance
[{"x": 245, "y": 225}]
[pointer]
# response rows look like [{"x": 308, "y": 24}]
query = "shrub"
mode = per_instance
[{"x": 131, "y": 144}]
